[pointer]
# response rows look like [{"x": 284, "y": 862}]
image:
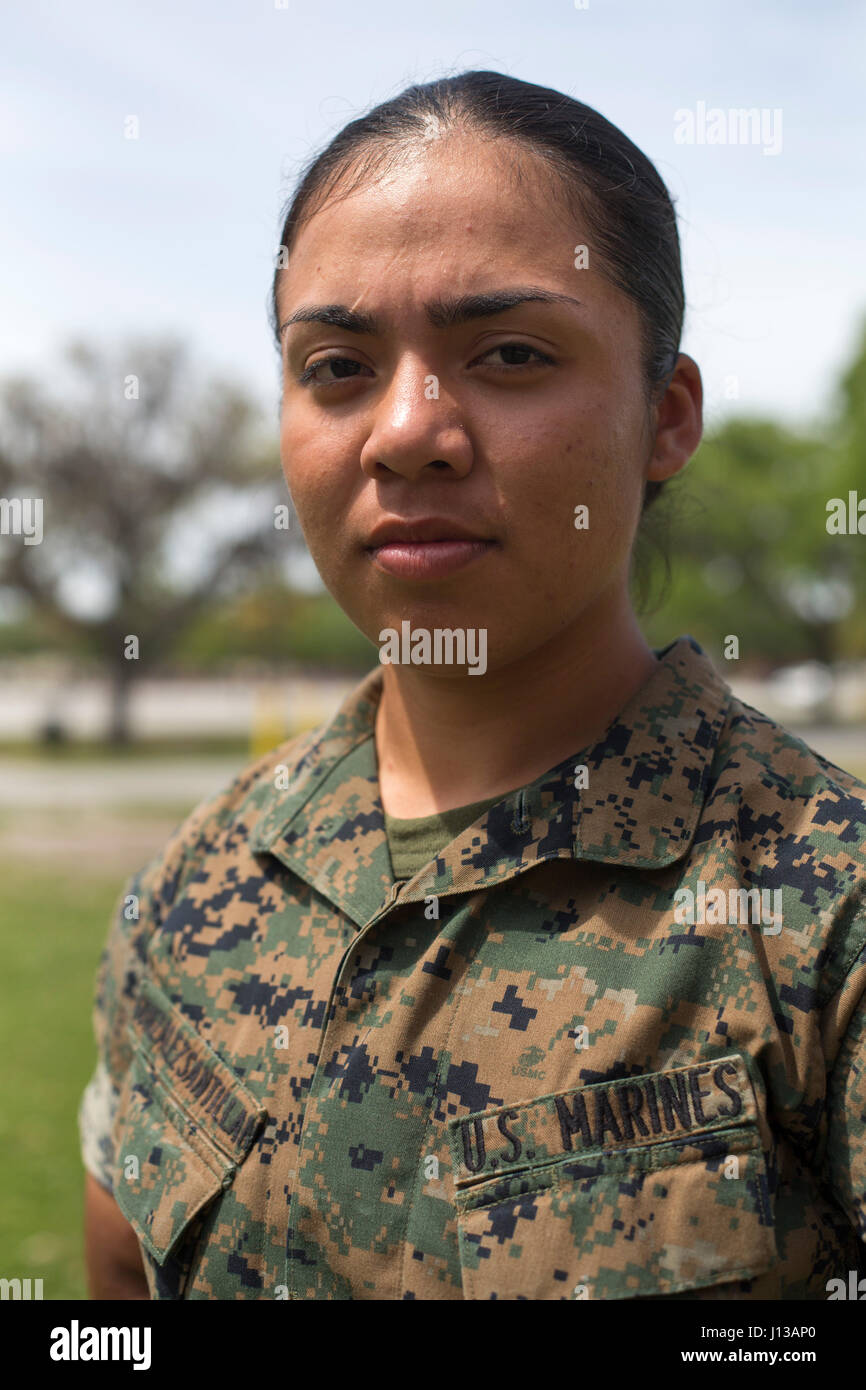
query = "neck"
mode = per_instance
[{"x": 443, "y": 742}]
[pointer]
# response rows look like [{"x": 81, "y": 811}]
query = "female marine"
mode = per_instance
[{"x": 538, "y": 972}]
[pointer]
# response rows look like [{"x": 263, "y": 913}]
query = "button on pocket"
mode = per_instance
[{"x": 636, "y": 1188}]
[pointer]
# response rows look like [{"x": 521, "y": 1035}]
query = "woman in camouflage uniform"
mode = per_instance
[{"x": 539, "y": 971}]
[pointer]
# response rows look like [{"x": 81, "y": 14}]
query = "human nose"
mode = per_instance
[{"x": 416, "y": 424}]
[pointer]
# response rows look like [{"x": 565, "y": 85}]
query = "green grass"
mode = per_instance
[
  {"x": 52, "y": 927},
  {"x": 89, "y": 751}
]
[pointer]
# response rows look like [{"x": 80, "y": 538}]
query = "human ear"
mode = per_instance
[{"x": 678, "y": 421}]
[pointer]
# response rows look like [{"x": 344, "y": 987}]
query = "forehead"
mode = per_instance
[{"x": 453, "y": 208}]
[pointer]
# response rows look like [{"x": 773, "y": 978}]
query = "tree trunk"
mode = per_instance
[
  {"x": 121, "y": 687},
  {"x": 824, "y": 642}
]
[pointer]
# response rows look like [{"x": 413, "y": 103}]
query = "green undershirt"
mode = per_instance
[{"x": 413, "y": 843}]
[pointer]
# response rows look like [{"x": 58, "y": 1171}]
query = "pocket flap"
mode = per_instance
[
  {"x": 185, "y": 1123},
  {"x": 637, "y": 1188},
  {"x": 164, "y": 1176}
]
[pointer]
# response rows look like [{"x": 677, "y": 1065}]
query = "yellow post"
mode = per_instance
[{"x": 269, "y": 725}]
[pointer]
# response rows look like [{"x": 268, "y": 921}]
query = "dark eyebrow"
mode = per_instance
[{"x": 442, "y": 313}]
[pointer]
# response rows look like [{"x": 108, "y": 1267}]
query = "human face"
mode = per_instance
[{"x": 494, "y": 427}]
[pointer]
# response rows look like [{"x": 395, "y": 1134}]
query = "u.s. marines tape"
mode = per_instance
[{"x": 658, "y": 1108}]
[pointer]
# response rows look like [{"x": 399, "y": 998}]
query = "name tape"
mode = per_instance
[{"x": 200, "y": 1079}]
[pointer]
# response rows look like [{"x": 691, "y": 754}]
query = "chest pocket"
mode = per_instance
[
  {"x": 185, "y": 1123},
  {"x": 636, "y": 1188}
]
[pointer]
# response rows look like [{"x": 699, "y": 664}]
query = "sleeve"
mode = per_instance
[
  {"x": 845, "y": 1153},
  {"x": 116, "y": 984}
]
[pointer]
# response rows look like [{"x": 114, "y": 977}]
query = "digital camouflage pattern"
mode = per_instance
[{"x": 521, "y": 1074}]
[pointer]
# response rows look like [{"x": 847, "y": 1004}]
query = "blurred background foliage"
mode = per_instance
[{"x": 745, "y": 527}]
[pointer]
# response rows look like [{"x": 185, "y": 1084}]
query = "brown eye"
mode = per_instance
[
  {"x": 337, "y": 364},
  {"x": 522, "y": 351}
]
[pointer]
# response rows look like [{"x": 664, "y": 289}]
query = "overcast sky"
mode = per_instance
[{"x": 103, "y": 235}]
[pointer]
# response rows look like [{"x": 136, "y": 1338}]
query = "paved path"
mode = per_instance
[{"x": 153, "y": 781}]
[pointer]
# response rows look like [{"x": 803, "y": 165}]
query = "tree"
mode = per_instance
[
  {"x": 749, "y": 548},
  {"x": 134, "y": 459}
]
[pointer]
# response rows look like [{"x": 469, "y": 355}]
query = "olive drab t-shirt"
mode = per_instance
[
  {"x": 414, "y": 841},
  {"x": 609, "y": 1042}
]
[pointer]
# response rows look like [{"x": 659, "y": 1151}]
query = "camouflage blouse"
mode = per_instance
[{"x": 609, "y": 1043}]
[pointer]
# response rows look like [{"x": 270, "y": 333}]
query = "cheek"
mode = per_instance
[
  {"x": 608, "y": 462},
  {"x": 587, "y": 457},
  {"x": 312, "y": 471},
  {"x": 296, "y": 451}
]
